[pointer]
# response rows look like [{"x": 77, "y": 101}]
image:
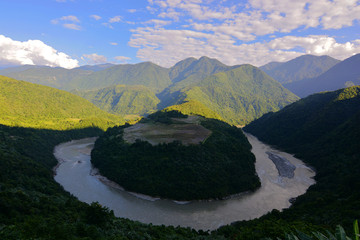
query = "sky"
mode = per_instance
[{"x": 71, "y": 33}]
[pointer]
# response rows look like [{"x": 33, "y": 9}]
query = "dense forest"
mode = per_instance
[
  {"x": 323, "y": 130},
  {"x": 26, "y": 104},
  {"x": 34, "y": 206},
  {"x": 220, "y": 166}
]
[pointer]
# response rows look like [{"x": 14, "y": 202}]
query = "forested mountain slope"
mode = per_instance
[
  {"x": 239, "y": 95},
  {"x": 32, "y": 105},
  {"x": 123, "y": 99},
  {"x": 323, "y": 130}
]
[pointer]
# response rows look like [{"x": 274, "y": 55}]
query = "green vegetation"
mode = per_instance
[
  {"x": 147, "y": 74},
  {"x": 123, "y": 99},
  {"x": 194, "y": 107},
  {"x": 339, "y": 235},
  {"x": 60, "y": 78},
  {"x": 220, "y": 166},
  {"x": 205, "y": 86},
  {"x": 191, "y": 71},
  {"x": 34, "y": 206},
  {"x": 323, "y": 130},
  {"x": 300, "y": 68},
  {"x": 238, "y": 96},
  {"x": 31, "y": 105}
]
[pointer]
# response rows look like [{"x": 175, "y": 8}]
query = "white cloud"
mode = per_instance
[
  {"x": 70, "y": 22},
  {"x": 122, "y": 59},
  {"x": 33, "y": 52},
  {"x": 230, "y": 31},
  {"x": 70, "y": 18},
  {"x": 166, "y": 47},
  {"x": 72, "y": 26},
  {"x": 95, "y": 58},
  {"x": 132, "y": 10},
  {"x": 115, "y": 19},
  {"x": 96, "y": 17},
  {"x": 114, "y": 43},
  {"x": 260, "y": 17}
]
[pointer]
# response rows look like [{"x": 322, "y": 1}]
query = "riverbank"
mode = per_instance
[{"x": 274, "y": 193}]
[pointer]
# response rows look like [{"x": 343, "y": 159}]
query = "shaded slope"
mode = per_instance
[
  {"x": 31, "y": 105},
  {"x": 323, "y": 130},
  {"x": 122, "y": 99},
  {"x": 303, "y": 67},
  {"x": 344, "y": 74},
  {"x": 239, "y": 95}
]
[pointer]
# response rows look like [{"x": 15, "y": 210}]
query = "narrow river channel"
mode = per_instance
[{"x": 74, "y": 174}]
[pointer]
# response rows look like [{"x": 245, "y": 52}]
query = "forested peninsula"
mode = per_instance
[{"x": 220, "y": 165}]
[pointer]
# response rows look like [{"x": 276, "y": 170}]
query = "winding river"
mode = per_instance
[{"x": 75, "y": 174}]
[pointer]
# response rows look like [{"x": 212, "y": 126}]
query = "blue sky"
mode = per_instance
[{"x": 69, "y": 33}]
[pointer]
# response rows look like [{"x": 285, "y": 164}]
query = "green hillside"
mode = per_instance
[
  {"x": 158, "y": 158},
  {"x": 323, "y": 130},
  {"x": 195, "y": 72},
  {"x": 303, "y": 67},
  {"x": 189, "y": 72},
  {"x": 238, "y": 96},
  {"x": 94, "y": 77},
  {"x": 31, "y": 105},
  {"x": 60, "y": 78},
  {"x": 194, "y": 107},
  {"x": 147, "y": 74},
  {"x": 123, "y": 99},
  {"x": 343, "y": 74},
  {"x": 235, "y": 94}
]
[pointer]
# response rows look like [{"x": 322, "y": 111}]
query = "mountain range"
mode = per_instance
[
  {"x": 321, "y": 129},
  {"x": 343, "y": 74},
  {"x": 205, "y": 86},
  {"x": 236, "y": 94},
  {"x": 297, "y": 69}
]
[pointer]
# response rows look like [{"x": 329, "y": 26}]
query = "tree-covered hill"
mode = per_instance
[
  {"x": 58, "y": 77},
  {"x": 32, "y": 105},
  {"x": 123, "y": 99},
  {"x": 147, "y": 74},
  {"x": 323, "y": 130},
  {"x": 238, "y": 96},
  {"x": 34, "y": 206},
  {"x": 303, "y": 67},
  {"x": 343, "y": 74},
  {"x": 190, "y": 71},
  {"x": 219, "y": 166}
]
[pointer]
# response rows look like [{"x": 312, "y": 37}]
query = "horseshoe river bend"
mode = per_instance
[{"x": 282, "y": 177}]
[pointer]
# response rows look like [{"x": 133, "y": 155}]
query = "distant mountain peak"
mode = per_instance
[{"x": 303, "y": 67}]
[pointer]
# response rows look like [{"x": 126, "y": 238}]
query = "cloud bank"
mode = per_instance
[
  {"x": 255, "y": 32},
  {"x": 33, "y": 52}
]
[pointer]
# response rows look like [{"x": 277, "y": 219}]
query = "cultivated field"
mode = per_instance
[{"x": 187, "y": 130}]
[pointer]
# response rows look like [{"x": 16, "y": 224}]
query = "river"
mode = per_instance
[{"x": 74, "y": 174}]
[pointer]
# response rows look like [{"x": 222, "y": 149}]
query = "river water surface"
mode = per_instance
[{"x": 74, "y": 174}]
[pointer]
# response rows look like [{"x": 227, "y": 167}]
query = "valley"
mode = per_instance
[
  {"x": 274, "y": 193},
  {"x": 148, "y": 145}
]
